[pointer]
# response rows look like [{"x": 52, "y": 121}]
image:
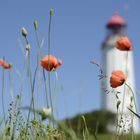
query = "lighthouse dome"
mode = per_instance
[{"x": 116, "y": 20}]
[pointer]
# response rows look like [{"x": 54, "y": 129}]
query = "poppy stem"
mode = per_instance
[
  {"x": 32, "y": 100},
  {"x": 45, "y": 88},
  {"x": 49, "y": 35},
  {"x": 117, "y": 120},
  {"x": 51, "y": 103},
  {"x": 124, "y": 92},
  {"x": 30, "y": 78},
  {"x": 133, "y": 96},
  {"x": 132, "y": 119},
  {"x": 32, "y": 85},
  {"x": 11, "y": 84},
  {"x": 26, "y": 40},
  {"x": 3, "y": 107},
  {"x": 37, "y": 39},
  {"x": 39, "y": 55},
  {"x": 55, "y": 89},
  {"x": 49, "y": 79},
  {"x": 39, "y": 46},
  {"x": 125, "y": 82}
]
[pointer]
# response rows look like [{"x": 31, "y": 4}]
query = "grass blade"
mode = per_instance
[{"x": 134, "y": 113}]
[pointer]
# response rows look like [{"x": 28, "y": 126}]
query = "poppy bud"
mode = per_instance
[
  {"x": 51, "y": 12},
  {"x": 35, "y": 24},
  {"x": 45, "y": 112},
  {"x": 131, "y": 98},
  {"x": 24, "y": 32},
  {"x": 28, "y": 47},
  {"x": 118, "y": 104},
  {"x": 117, "y": 78},
  {"x": 4, "y": 64},
  {"x": 131, "y": 102}
]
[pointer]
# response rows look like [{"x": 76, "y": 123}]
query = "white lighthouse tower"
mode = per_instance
[{"x": 114, "y": 59}]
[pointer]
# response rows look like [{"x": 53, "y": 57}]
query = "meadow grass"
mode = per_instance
[{"x": 112, "y": 137}]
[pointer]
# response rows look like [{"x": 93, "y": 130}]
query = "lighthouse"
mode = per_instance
[{"x": 114, "y": 59}]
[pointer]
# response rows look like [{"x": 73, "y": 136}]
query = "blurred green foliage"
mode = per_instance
[{"x": 96, "y": 122}]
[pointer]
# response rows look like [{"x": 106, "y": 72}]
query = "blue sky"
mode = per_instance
[{"x": 78, "y": 29}]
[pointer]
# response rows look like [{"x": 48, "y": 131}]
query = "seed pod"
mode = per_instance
[
  {"x": 45, "y": 112},
  {"x": 35, "y": 24},
  {"x": 131, "y": 98},
  {"x": 24, "y": 32}
]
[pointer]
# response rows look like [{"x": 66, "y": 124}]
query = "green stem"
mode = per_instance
[
  {"x": 132, "y": 95},
  {"x": 51, "y": 103},
  {"x": 124, "y": 89},
  {"x": 26, "y": 40},
  {"x": 125, "y": 82},
  {"x": 49, "y": 79},
  {"x": 33, "y": 89},
  {"x": 32, "y": 102},
  {"x": 3, "y": 107},
  {"x": 49, "y": 35},
  {"x": 32, "y": 85},
  {"x": 37, "y": 39},
  {"x": 39, "y": 56},
  {"x": 39, "y": 45},
  {"x": 44, "y": 77},
  {"x": 11, "y": 84},
  {"x": 132, "y": 129},
  {"x": 55, "y": 89}
]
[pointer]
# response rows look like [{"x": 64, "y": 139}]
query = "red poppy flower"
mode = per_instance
[
  {"x": 4, "y": 64},
  {"x": 117, "y": 78},
  {"x": 49, "y": 62},
  {"x": 124, "y": 44}
]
